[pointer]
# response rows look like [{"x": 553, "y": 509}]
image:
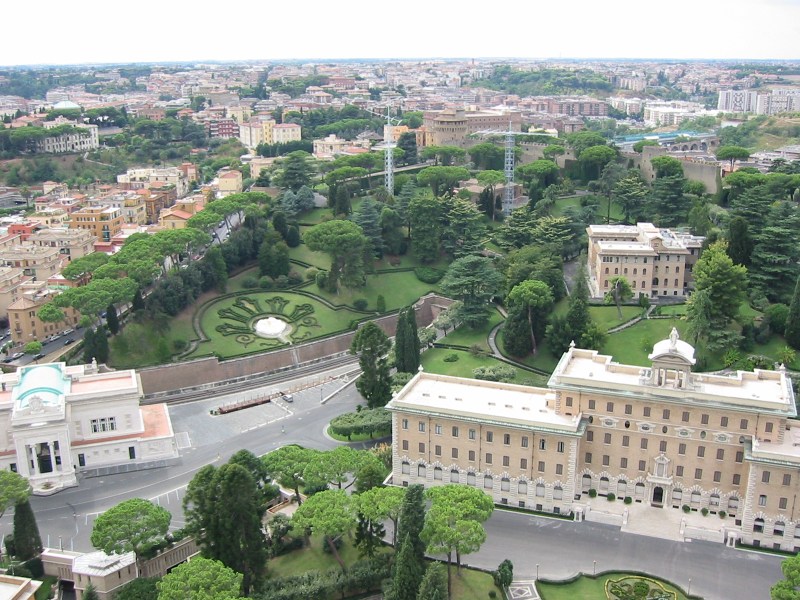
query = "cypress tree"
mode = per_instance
[
  {"x": 90, "y": 593},
  {"x": 412, "y": 336},
  {"x": 26, "y": 533},
  {"x": 517, "y": 332},
  {"x": 112, "y": 320},
  {"x": 411, "y": 521},
  {"x": 792, "y": 333},
  {"x": 434, "y": 584},
  {"x": 138, "y": 301},
  {"x": 401, "y": 343},
  {"x": 101, "y": 345},
  {"x": 407, "y": 572},
  {"x": 88, "y": 345}
]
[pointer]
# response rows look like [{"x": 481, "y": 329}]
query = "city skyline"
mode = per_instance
[{"x": 166, "y": 32}]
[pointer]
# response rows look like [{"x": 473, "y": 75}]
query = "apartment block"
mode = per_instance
[
  {"x": 71, "y": 243},
  {"x": 35, "y": 261},
  {"x": 103, "y": 222},
  {"x": 662, "y": 435},
  {"x": 23, "y": 314},
  {"x": 656, "y": 262},
  {"x": 283, "y": 133}
]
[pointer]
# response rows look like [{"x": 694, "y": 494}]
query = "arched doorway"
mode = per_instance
[{"x": 658, "y": 496}]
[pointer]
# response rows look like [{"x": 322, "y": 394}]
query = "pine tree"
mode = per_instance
[
  {"x": 112, "y": 320},
  {"x": 408, "y": 571},
  {"x": 26, "y": 532},
  {"x": 368, "y": 218},
  {"x": 411, "y": 521},
  {"x": 792, "y": 333},
  {"x": 88, "y": 345},
  {"x": 401, "y": 342},
  {"x": 90, "y": 593},
  {"x": 434, "y": 584}
]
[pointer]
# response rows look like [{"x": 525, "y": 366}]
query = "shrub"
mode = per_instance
[
  {"x": 250, "y": 282},
  {"x": 311, "y": 273},
  {"x": 381, "y": 304},
  {"x": 179, "y": 344},
  {"x": 321, "y": 279},
  {"x": 495, "y": 373},
  {"x": 326, "y": 547},
  {"x": 722, "y": 514},
  {"x": 265, "y": 283},
  {"x": 476, "y": 350},
  {"x": 492, "y": 594},
  {"x": 294, "y": 278},
  {"x": 592, "y": 493},
  {"x": 452, "y": 357},
  {"x": 628, "y": 500},
  {"x": 611, "y": 497},
  {"x": 361, "y": 304},
  {"x": 686, "y": 508},
  {"x": 704, "y": 511},
  {"x": 428, "y": 274}
]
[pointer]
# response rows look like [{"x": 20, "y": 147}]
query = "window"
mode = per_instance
[
  {"x": 628, "y": 409},
  {"x": 559, "y": 469},
  {"x": 524, "y": 441},
  {"x": 762, "y": 500},
  {"x": 437, "y": 429},
  {"x": 542, "y": 444},
  {"x": 487, "y": 482},
  {"x": 743, "y": 424},
  {"x": 723, "y": 422},
  {"x": 623, "y": 463},
  {"x": 698, "y": 473},
  {"x": 81, "y": 460},
  {"x": 701, "y": 451},
  {"x": 422, "y": 426},
  {"x": 506, "y": 461},
  {"x": 646, "y": 411},
  {"x": 454, "y": 453},
  {"x": 488, "y": 458},
  {"x": 405, "y": 444},
  {"x": 472, "y": 434},
  {"x": 610, "y": 407},
  {"x": 560, "y": 447},
  {"x": 606, "y": 460},
  {"x": 720, "y": 454},
  {"x": 739, "y": 456},
  {"x": 590, "y": 436},
  {"x": 104, "y": 424},
  {"x": 523, "y": 463},
  {"x": 405, "y": 423},
  {"x": 685, "y": 416},
  {"x": 569, "y": 400},
  {"x": 782, "y": 503},
  {"x": 422, "y": 446},
  {"x": 662, "y": 446},
  {"x": 768, "y": 427},
  {"x": 437, "y": 450},
  {"x": 681, "y": 448},
  {"x": 591, "y": 404},
  {"x": 704, "y": 419},
  {"x": 737, "y": 479},
  {"x": 626, "y": 440},
  {"x": 507, "y": 439},
  {"x": 489, "y": 436},
  {"x": 665, "y": 414},
  {"x": 787, "y": 479},
  {"x": 541, "y": 466},
  {"x": 765, "y": 477},
  {"x": 679, "y": 471},
  {"x": 588, "y": 458},
  {"x": 607, "y": 438},
  {"x": 717, "y": 476},
  {"x": 642, "y": 465},
  {"x": 472, "y": 455},
  {"x": 455, "y": 431},
  {"x": 643, "y": 444}
]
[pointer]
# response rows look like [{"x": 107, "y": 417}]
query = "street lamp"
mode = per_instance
[
  {"x": 689, "y": 588},
  {"x": 537, "y": 571},
  {"x": 594, "y": 568}
]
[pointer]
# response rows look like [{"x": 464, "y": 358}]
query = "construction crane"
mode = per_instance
[
  {"x": 389, "y": 145},
  {"x": 508, "y": 163}
]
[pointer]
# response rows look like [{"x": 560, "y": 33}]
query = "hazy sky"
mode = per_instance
[{"x": 177, "y": 30}]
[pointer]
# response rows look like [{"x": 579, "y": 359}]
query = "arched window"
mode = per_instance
[
  {"x": 779, "y": 528},
  {"x": 639, "y": 490},
  {"x": 713, "y": 501},
  {"x": 540, "y": 490},
  {"x": 470, "y": 478},
  {"x": 603, "y": 485},
  {"x": 733, "y": 504},
  {"x": 437, "y": 473},
  {"x": 522, "y": 488},
  {"x": 505, "y": 484},
  {"x": 558, "y": 493},
  {"x": 758, "y": 525},
  {"x": 677, "y": 496},
  {"x": 421, "y": 471},
  {"x": 695, "y": 497},
  {"x": 622, "y": 488},
  {"x": 586, "y": 482},
  {"x": 487, "y": 482},
  {"x": 455, "y": 476},
  {"x": 405, "y": 468}
]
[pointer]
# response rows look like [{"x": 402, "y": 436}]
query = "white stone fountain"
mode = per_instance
[{"x": 272, "y": 327}]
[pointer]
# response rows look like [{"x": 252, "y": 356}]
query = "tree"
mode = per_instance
[
  {"x": 462, "y": 228},
  {"x": 286, "y": 465},
  {"x": 330, "y": 513},
  {"x": 216, "y": 266},
  {"x": 776, "y": 253},
  {"x": 504, "y": 575},
  {"x": 726, "y": 283},
  {"x": 593, "y": 160},
  {"x": 732, "y": 154},
  {"x": 536, "y": 299},
  {"x": 134, "y": 525},
  {"x": 33, "y": 347},
  {"x": 740, "y": 244},
  {"x": 408, "y": 571},
  {"x": 138, "y": 301},
  {"x": 442, "y": 180},
  {"x": 411, "y": 522},
  {"x": 424, "y": 211},
  {"x": 369, "y": 536},
  {"x": 407, "y": 344},
  {"x": 581, "y": 140},
  {"x": 296, "y": 171},
  {"x": 273, "y": 256},
  {"x": 345, "y": 242},
  {"x": 667, "y": 203},
  {"x": 699, "y": 316},
  {"x": 446, "y": 155},
  {"x": 667, "y": 166},
  {"x": 474, "y": 281},
  {"x": 100, "y": 345},
  {"x": 407, "y": 142},
  {"x": 200, "y": 579},
  {"x": 371, "y": 345},
  {"x": 368, "y": 218},
  {"x": 143, "y": 588},
  {"x": 391, "y": 233},
  {"x": 50, "y": 313},
  {"x": 112, "y": 320},
  {"x": 27, "y": 541},
  {"x": 620, "y": 292},
  {"x": 517, "y": 332},
  {"x": 487, "y": 156},
  {"x": 90, "y": 593},
  {"x": 14, "y": 489},
  {"x": 639, "y": 146},
  {"x": 629, "y": 193},
  {"x": 787, "y": 588},
  {"x": 434, "y": 584},
  {"x": 792, "y": 331}
]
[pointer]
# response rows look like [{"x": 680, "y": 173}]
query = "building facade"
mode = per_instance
[
  {"x": 655, "y": 262},
  {"x": 56, "y": 420},
  {"x": 103, "y": 222},
  {"x": 663, "y": 436}
]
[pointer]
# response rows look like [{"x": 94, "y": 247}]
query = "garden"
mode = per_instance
[{"x": 610, "y": 586}]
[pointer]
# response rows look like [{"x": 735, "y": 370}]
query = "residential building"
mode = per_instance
[
  {"x": 331, "y": 146},
  {"x": 656, "y": 262},
  {"x": 84, "y": 139},
  {"x": 71, "y": 243},
  {"x": 583, "y": 106},
  {"x": 283, "y": 133},
  {"x": 58, "y": 420},
  {"x": 11, "y": 279},
  {"x": 664, "y": 436},
  {"x": 137, "y": 179},
  {"x": 49, "y": 217},
  {"x": 230, "y": 182},
  {"x": 737, "y": 101},
  {"x": 23, "y": 314},
  {"x": 103, "y": 222},
  {"x": 35, "y": 261},
  {"x": 177, "y": 215}
]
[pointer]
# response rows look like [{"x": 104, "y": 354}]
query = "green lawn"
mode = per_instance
[
  {"x": 433, "y": 362},
  {"x": 632, "y": 345},
  {"x": 466, "y": 336},
  {"x": 311, "y": 558},
  {"x": 303, "y": 254},
  {"x": 398, "y": 290},
  {"x": 608, "y": 317},
  {"x": 563, "y": 203},
  {"x": 587, "y": 588}
]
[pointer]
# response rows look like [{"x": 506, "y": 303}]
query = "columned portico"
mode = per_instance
[{"x": 660, "y": 482}]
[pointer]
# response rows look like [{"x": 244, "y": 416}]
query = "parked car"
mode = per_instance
[
  {"x": 38, "y": 356},
  {"x": 68, "y": 341},
  {"x": 287, "y": 398},
  {"x": 55, "y": 337},
  {"x": 17, "y": 355},
  {"x": 68, "y": 331}
]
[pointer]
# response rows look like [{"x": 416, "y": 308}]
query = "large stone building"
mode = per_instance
[
  {"x": 102, "y": 221},
  {"x": 656, "y": 262},
  {"x": 450, "y": 127},
  {"x": 665, "y": 437},
  {"x": 56, "y": 420}
]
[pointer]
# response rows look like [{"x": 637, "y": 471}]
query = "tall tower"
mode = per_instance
[{"x": 508, "y": 196}]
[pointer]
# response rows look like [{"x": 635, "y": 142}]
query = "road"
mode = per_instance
[{"x": 66, "y": 518}]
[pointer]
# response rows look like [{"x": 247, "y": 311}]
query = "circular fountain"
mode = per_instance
[{"x": 272, "y": 327}]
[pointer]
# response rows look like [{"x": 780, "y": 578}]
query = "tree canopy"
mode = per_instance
[
  {"x": 200, "y": 579},
  {"x": 134, "y": 525}
]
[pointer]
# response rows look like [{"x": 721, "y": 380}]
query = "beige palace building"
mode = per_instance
[{"x": 664, "y": 436}]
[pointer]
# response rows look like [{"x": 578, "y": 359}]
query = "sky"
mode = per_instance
[{"x": 176, "y": 30}]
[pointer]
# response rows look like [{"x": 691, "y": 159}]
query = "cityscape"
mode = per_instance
[{"x": 411, "y": 328}]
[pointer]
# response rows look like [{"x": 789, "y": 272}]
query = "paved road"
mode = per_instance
[{"x": 564, "y": 548}]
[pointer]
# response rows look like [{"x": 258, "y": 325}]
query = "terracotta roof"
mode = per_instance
[{"x": 177, "y": 213}]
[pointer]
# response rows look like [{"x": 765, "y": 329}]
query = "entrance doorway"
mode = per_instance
[{"x": 658, "y": 496}]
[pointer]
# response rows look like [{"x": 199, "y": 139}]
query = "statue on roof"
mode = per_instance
[{"x": 673, "y": 339}]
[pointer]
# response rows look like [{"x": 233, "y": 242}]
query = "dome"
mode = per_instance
[
  {"x": 45, "y": 385},
  {"x": 65, "y": 105}
]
